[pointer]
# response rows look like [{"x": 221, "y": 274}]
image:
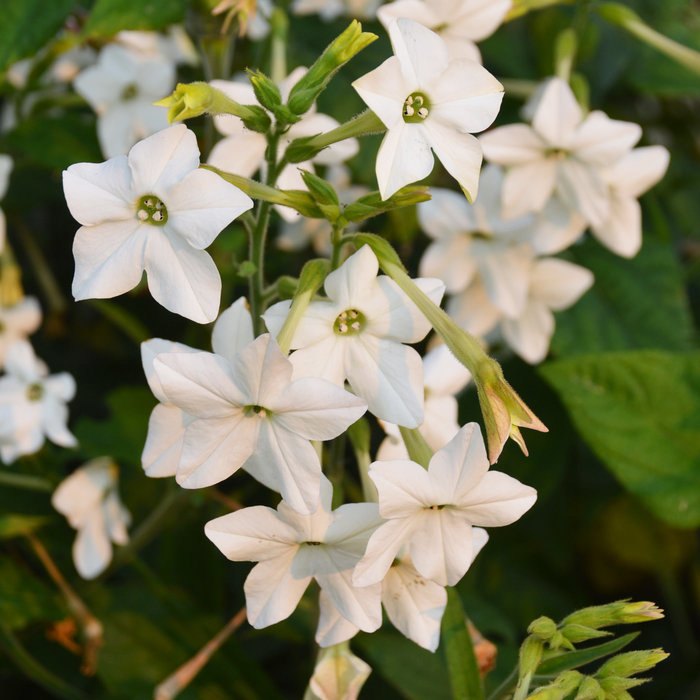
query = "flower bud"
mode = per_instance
[
  {"x": 543, "y": 627},
  {"x": 619, "y": 612},
  {"x": 372, "y": 204},
  {"x": 339, "y": 674},
  {"x": 559, "y": 689},
  {"x": 269, "y": 96},
  {"x": 323, "y": 193},
  {"x": 530, "y": 656},
  {"x": 613, "y": 686},
  {"x": 192, "y": 99},
  {"x": 631, "y": 663},
  {"x": 580, "y": 633},
  {"x": 589, "y": 690},
  {"x": 340, "y": 51}
]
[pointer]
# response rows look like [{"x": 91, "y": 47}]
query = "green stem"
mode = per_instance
[
  {"x": 122, "y": 319},
  {"x": 462, "y": 666},
  {"x": 522, "y": 7},
  {"x": 338, "y": 241},
  {"x": 505, "y": 689},
  {"x": 25, "y": 481},
  {"x": 418, "y": 449},
  {"x": 279, "y": 27},
  {"x": 33, "y": 669}
]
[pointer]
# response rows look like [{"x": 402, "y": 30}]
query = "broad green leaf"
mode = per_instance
[
  {"x": 640, "y": 413},
  {"x": 111, "y": 16},
  {"x": 27, "y": 25},
  {"x": 638, "y": 303}
]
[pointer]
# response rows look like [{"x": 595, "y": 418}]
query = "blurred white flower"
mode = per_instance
[
  {"x": 428, "y": 103},
  {"x": 358, "y": 334},
  {"x": 433, "y": 511},
  {"x": 90, "y": 501},
  {"x": 17, "y": 322},
  {"x": 32, "y": 404},
  {"x": 330, "y": 9},
  {"x": 562, "y": 152},
  {"x": 293, "y": 549},
  {"x": 243, "y": 151},
  {"x": 5, "y": 169},
  {"x": 459, "y": 22},
  {"x": 338, "y": 674},
  {"x": 174, "y": 45},
  {"x": 122, "y": 87},
  {"x": 154, "y": 210}
]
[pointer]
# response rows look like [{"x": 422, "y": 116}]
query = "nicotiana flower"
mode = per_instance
[
  {"x": 628, "y": 178},
  {"x": 474, "y": 239},
  {"x": 427, "y": 101},
  {"x": 90, "y": 501},
  {"x": 17, "y": 322},
  {"x": 553, "y": 285},
  {"x": 561, "y": 152},
  {"x": 243, "y": 151},
  {"x": 473, "y": 310},
  {"x": 358, "y": 334},
  {"x": 330, "y": 9},
  {"x": 122, "y": 87},
  {"x": 5, "y": 168},
  {"x": 248, "y": 412},
  {"x": 174, "y": 45},
  {"x": 293, "y": 549},
  {"x": 152, "y": 210},
  {"x": 443, "y": 377},
  {"x": 32, "y": 404},
  {"x": 459, "y": 22},
  {"x": 338, "y": 674},
  {"x": 433, "y": 511}
]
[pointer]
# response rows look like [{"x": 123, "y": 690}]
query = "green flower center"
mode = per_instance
[
  {"x": 255, "y": 411},
  {"x": 558, "y": 153},
  {"x": 313, "y": 544},
  {"x": 151, "y": 210},
  {"x": 416, "y": 108},
  {"x": 35, "y": 392},
  {"x": 349, "y": 322},
  {"x": 129, "y": 92}
]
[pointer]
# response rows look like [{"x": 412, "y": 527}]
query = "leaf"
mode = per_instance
[
  {"x": 27, "y": 25},
  {"x": 640, "y": 413},
  {"x": 574, "y": 659},
  {"x": 111, "y": 16},
  {"x": 14, "y": 524},
  {"x": 638, "y": 303}
]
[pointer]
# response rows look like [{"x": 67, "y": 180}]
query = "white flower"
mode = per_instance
[
  {"x": 174, "y": 46},
  {"x": 155, "y": 211},
  {"x": 433, "y": 511},
  {"x": 561, "y": 152},
  {"x": 122, "y": 87},
  {"x": 243, "y": 151},
  {"x": 248, "y": 411},
  {"x": 358, "y": 334},
  {"x": 473, "y": 239},
  {"x": 17, "y": 322},
  {"x": 32, "y": 404},
  {"x": 459, "y": 22},
  {"x": 628, "y": 178},
  {"x": 293, "y": 549},
  {"x": 553, "y": 284},
  {"x": 330, "y": 9},
  {"x": 443, "y": 377},
  {"x": 473, "y": 309},
  {"x": 5, "y": 168},
  {"x": 427, "y": 101},
  {"x": 90, "y": 501},
  {"x": 338, "y": 674}
]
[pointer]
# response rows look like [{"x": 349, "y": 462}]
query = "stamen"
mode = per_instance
[
  {"x": 349, "y": 322},
  {"x": 151, "y": 210},
  {"x": 422, "y": 112},
  {"x": 416, "y": 108}
]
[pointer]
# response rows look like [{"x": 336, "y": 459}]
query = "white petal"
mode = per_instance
[
  {"x": 166, "y": 430},
  {"x": 242, "y": 154},
  {"x": 92, "y": 550},
  {"x": 528, "y": 187},
  {"x": 384, "y": 90},
  {"x": 150, "y": 349},
  {"x": 477, "y": 19},
  {"x": 622, "y": 232},
  {"x": 581, "y": 187},
  {"x": 325, "y": 359},
  {"x": 445, "y": 216},
  {"x": 530, "y": 334},
  {"x": 55, "y": 422},
  {"x": 233, "y": 330},
  {"x": 202, "y": 205},
  {"x": 514, "y": 144},
  {"x": 181, "y": 278},
  {"x": 60, "y": 386},
  {"x": 473, "y": 310},
  {"x": 109, "y": 258},
  {"x": 638, "y": 170},
  {"x": 332, "y": 628},
  {"x": 422, "y": 53},
  {"x": 498, "y": 500},
  {"x": 557, "y": 227},
  {"x": 352, "y": 278},
  {"x": 558, "y": 283},
  {"x": 557, "y": 113},
  {"x": 361, "y": 606},
  {"x": 443, "y": 373},
  {"x": 506, "y": 277},
  {"x": 600, "y": 140}
]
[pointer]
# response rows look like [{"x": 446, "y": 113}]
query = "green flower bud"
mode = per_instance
[
  {"x": 589, "y": 690},
  {"x": 559, "y": 689},
  {"x": 543, "y": 627},
  {"x": 580, "y": 633},
  {"x": 322, "y": 191},
  {"x": 619, "y": 612},
  {"x": 631, "y": 663},
  {"x": 613, "y": 685},
  {"x": 372, "y": 204},
  {"x": 286, "y": 286},
  {"x": 268, "y": 95},
  {"x": 339, "y": 52}
]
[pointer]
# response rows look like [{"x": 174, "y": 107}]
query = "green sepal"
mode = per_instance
[{"x": 372, "y": 204}]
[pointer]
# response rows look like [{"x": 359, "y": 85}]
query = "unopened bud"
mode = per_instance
[
  {"x": 614, "y": 685},
  {"x": 543, "y": 627},
  {"x": 339, "y": 52},
  {"x": 372, "y": 204},
  {"x": 559, "y": 689},
  {"x": 580, "y": 633},
  {"x": 530, "y": 656},
  {"x": 589, "y": 690},
  {"x": 619, "y": 612},
  {"x": 559, "y": 641},
  {"x": 339, "y": 674},
  {"x": 631, "y": 663}
]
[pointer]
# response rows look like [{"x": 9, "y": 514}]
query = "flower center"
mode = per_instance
[
  {"x": 151, "y": 210},
  {"x": 129, "y": 92},
  {"x": 558, "y": 153},
  {"x": 255, "y": 411},
  {"x": 349, "y": 322},
  {"x": 437, "y": 507},
  {"x": 416, "y": 108},
  {"x": 313, "y": 544},
  {"x": 35, "y": 392}
]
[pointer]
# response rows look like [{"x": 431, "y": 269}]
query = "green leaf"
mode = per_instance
[
  {"x": 27, "y": 25},
  {"x": 14, "y": 524},
  {"x": 581, "y": 657},
  {"x": 640, "y": 413},
  {"x": 638, "y": 303},
  {"x": 111, "y": 16}
]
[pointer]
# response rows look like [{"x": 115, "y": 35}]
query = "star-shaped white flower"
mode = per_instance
[
  {"x": 459, "y": 22},
  {"x": 628, "y": 178},
  {"x": 443, "y": 377},
  {"x": 358, "y": 334},
  {"x": 17, "y": 322},
  {"x": 154, "y": 210},
  {"x": 553, "y": 285},
  {"x": 248, "y": 411},
  {"x": 433, "y": 511},
  {"x": 32, "y": 404},
  {"x": 561, "y": 152},
  {"x": 122, "y": 87},
  {"x": 243, "y": 151},
  {"x": 293, "y": 549},
  {"x": 5, "y": 169},
  {"x": 90, "y": 501},
  {"x": 428, "y": 102}
]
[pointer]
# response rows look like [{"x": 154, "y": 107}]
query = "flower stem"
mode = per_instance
[
  {"x": 418, "y": 449},
  {"x": 25, "y": 481},
  {"x": 463, "y": 669},
  {"x": 522, "y": 7}
]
